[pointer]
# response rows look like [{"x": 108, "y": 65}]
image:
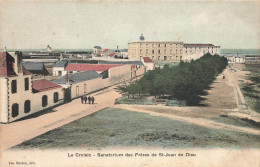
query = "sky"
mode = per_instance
[{"x": 85, "y": 24}]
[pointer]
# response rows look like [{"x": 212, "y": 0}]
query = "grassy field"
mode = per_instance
[
  {"x": 130, "y": 100},
  {"x": 251, "y": 90},
  {"x": 113, "y": 127}
]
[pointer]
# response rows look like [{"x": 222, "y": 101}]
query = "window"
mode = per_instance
[
  {"x": 55, "y": 97},
  {"x": 153, "y": 51},
  {"x": 146, "y": 50},
  {"x": 14, "y": 86},
  {"x": 85, "y": 88},
  {"x": 27, "y": 106},
  {"x": 165, "y": 58},
  {"x": 164, "y": 45},
  {"x": 159, "y": 45},
  {"x": 152, "y": 57},
  {"x": 170, "y": 51},
  {"x": 15, "y": 110},
  {"x": 159, "y": 51},
  {"x": 153, "y": 45},
  {"x": 158, "y": 57},
  {"x": 26, "y": 83},
  {"x": 140, "y": 50},
  {"x": 164, "y": 50},
  {"x": 59, "y": 73},
  {"x": 77, "y": 90},
  {"x": 44, "y": 101},
  {"x": 147, "y": 45},
  {"x": 176, "y": 51}
]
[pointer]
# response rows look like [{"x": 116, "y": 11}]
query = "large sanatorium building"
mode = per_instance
[
  {"x": 21, "y": 96},
  {"x": 173, "y": 51}
]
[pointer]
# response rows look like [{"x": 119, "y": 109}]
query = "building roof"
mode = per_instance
[
  {"x": 199, "y": 45},
  {"x": 60, "y": 63},
  {"x": 139, "y": 63},
  {"x": 112, "y": 54},
  {"x": 106, "y": 50},
  {"x": 124, "y": 50},
  {"x": 147, "y": 60},
  {"x": 33, "y": 66},
  {"x": 97, "y": 47},
  {"x": 26, "y": 72},
  {"x": 175, "y": 42},
  {"x": 78, "y": 77},
  {"x": 89, "y": 67},
  {"x": 43, "y": 85},
  {"x": 6, "y": 66}
]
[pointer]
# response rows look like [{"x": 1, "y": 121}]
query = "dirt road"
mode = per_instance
[
  {"x": 224, "y": 98},
  {"x": 20, "y": 131}
]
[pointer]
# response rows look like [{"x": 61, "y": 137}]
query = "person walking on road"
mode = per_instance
[
  {"x": 93, "y": 99},
  {"x": 85, "y": 98},
  {"x": 81, "y": 99},
  {"x": 89, "y": 100}
]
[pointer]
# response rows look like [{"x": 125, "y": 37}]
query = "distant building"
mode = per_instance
[
  {"x": 168, "y": 51},
  {"x": 74, "y": 68},
  {"x": 252, "y": 59},
  {"x": 59, "y": 68},
  {"x": 155, "y": 50},
  {"x": 106, "y": 52},
  {"x": 195, "y": 51},
  {"x": 148, "y": 63},
  {"x": 124, "y": 53},
  {"x": 236, "y": 59},
  {"x": 112, "y": 55},
  {"x": 138, "y": 64},
  {"x": 36, "y": 68},
  {"x": 48, "y": 48},
  {"x": 97, "y": 51}
]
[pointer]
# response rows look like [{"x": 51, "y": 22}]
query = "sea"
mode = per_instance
[{"x": 240, "y": 52}]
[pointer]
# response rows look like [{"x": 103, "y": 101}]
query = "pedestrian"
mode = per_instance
[
  {"x": 93, "y": 99},
  {"x": 85, "y": 98},
  {"x": 81, "y": 99},
  {"x": 89, "y": 100}
]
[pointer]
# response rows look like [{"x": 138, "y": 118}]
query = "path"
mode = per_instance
[
  {"x": 20, "y": 131},
  {"x": 224, "y": 98},
  {"x": 198, "y": 121}
]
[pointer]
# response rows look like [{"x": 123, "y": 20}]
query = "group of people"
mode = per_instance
[{"x": 89, "y": 99}]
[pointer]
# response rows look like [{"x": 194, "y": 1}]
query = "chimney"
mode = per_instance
[
  {"x": 18, "y": 62},
  {"x": 67, "y": 78}
]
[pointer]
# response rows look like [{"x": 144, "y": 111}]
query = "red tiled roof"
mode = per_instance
[
  {"x": 26, "y": 72},
  {"x": 198, "y": 45},
  {"x": 89, "y": 67},
  {"x": 106, "y": 50},
  {"x": 112, "y": 54},
  {"x": 43, "y": 85},
  {"x": 147, "y": 60}
]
